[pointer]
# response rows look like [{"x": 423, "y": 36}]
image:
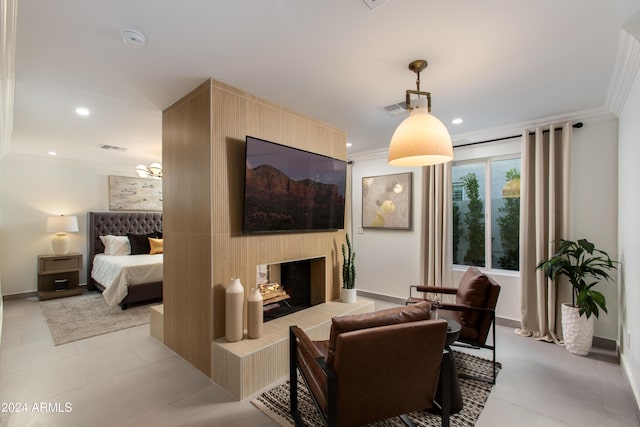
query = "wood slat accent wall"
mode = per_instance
[
  {"x": 187, "y": 163},
  {"x": 203, "y": 156}
]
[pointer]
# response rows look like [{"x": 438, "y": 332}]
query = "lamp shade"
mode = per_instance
[
  {"x": 420, "y": 140},
  {"x": 62, "y": 224}
]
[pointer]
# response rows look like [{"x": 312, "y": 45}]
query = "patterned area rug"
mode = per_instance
[
  {"x": 275, "y": 402},
  {"x": 83, "y": 316}
]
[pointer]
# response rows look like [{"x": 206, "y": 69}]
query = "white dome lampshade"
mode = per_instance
[
  {"x": 61, "y": 225},
  {"x": 420, "y": 140}
]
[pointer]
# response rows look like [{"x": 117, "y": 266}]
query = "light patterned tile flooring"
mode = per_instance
[{"x": 127, "y": 378}]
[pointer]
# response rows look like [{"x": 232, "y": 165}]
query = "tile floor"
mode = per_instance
[{"x": 127, "y": 378}]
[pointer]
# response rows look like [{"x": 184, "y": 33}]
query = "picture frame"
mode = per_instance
[
  {"x": 134, "y": 194},
  {"x": 387, "y": 201}
]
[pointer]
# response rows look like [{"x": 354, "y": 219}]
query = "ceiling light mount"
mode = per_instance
[
  {"x": 417, "y": 67},
  {"x": 133, "y": 37}
]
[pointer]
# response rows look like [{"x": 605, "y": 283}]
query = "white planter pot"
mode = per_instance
[
  {"x": 577, "y": 330},
  {"x": 348, "y": 295}
]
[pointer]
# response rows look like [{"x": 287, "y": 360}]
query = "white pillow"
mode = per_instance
[{"x": 116, "y": 245}]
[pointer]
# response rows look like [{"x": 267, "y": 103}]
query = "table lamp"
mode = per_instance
[{"x": 61, "y": 225}]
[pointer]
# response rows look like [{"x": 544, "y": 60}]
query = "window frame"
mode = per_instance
[{"x": 487, "y": 210}]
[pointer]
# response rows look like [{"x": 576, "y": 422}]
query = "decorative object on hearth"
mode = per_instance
[
  {"x": 348, "y": 291},
  {"x": 421, "y": 139},
  {"x": 153, "y": 171},
  {"x": 233, "y": 310},
  {"x": 255, "y": 313},
  {"x": 580, "y": 261},
  {"x": 61, "y": 225}
]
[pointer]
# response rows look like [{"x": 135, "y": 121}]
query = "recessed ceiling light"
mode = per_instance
[
  {"x": 82, "y": 111},
  {"x": 457, "y": 121},
  {"x": 349, "y": 144},
  {"x": 52, "y": 153}
]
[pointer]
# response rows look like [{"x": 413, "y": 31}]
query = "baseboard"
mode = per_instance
[
  {"x": 22, "y": 295},
  {"x": 381, "y": 297}
]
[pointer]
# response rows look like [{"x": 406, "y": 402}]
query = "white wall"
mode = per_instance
[
  {"x": 594, "y": 174},
  {"x": 389, "y": 261},
  {"x": 33, "y": 188},
  {"x": 629, "y": 235}
]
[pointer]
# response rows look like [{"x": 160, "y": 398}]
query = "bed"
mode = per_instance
[{"x": 139, "y": 280}]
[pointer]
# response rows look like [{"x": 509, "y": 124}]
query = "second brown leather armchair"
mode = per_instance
[{"x": 475, "y": 309}]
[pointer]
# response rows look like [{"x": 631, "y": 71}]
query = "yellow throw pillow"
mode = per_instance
[{"x": 156, "y": 246}]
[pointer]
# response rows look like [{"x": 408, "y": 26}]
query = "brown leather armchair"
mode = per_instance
[
  {"x": 475, "y": 309},
  {"x": 367, "y": 370}
]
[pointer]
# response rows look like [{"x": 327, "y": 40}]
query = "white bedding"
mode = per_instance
[{"x": 116, "y": 272}]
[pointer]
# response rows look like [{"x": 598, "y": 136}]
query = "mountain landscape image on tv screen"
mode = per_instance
[{"x": 288, "y": 189}]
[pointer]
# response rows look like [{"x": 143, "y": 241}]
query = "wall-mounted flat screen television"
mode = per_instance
[{"x": 288, "y": 190}]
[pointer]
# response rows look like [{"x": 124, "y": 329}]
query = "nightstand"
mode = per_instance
[{"x": 59, "y": 275}]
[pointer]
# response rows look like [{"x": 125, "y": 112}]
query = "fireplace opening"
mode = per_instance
[{"x": 292, "y": 286}]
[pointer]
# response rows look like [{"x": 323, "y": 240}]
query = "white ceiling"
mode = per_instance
[{"x": 493, "y": 63}]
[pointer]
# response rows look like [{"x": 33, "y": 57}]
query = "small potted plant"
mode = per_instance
[
  {"x": 580, "y": 262},
  {"x": 348, "y": 291}
]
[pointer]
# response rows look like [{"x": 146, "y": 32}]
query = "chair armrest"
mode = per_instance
[
  {"x": 437, "y": 289},
  {"x": 305, "y": 341},
  {"x": 463, "y": 307}
]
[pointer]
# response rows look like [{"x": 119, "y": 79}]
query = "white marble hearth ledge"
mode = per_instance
[{"x": 248, "y": 366}]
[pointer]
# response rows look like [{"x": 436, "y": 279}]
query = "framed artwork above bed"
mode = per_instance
[{"x": 134, "y": 194}]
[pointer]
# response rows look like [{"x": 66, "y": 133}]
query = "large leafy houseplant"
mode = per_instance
[{"x": 580, "y": 262}]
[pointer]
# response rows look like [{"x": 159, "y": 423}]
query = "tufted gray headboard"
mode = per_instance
[{"x": 118, "y": 224}]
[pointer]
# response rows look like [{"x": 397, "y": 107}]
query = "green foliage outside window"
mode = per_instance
[
  {"x": 458, "y": 232},
  {"x": 474, "y": 220},
  {"x": 509, "y": 224}
]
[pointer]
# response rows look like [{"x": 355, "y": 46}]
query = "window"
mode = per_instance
[{"x": 486, "y": 217}]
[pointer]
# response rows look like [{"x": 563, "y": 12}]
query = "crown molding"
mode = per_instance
[
  {"x": 624, "y": 72},
  {"x": 592, "y": 115}
]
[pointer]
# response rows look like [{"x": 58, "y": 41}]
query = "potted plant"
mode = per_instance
[
  {"x": 348, "y": 291},
  {"x": 580, "y": 262}
]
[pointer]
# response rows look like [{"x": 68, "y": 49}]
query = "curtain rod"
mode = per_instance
[{"x": 577, "y": 125}]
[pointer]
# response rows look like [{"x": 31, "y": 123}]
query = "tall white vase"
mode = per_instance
[
  {"x": 577, "y": 331},
  {"x": 233, "y": 310},
  {"x": 255, "y": 315}
]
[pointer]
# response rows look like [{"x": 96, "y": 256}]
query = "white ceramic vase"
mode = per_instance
[
  {"x": 577, "y": 330},
  {"x": 233, "y": 310},
  {"x": 348, "y": 295}
]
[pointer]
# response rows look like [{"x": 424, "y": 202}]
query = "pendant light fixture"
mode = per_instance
[
  {"x": 153, "y": 171},
  {"x": 421, "y": 139}
]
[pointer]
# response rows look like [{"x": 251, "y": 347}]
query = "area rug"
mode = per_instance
[
  {"x": 83, "y": 316},
  {"x": 275, "y": 402}
]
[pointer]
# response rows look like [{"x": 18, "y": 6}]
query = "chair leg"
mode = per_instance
[
  {"x": 405, "y": 419},
  {"x": 293, "y": 380}
]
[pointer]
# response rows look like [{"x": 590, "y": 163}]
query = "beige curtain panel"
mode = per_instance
[
  {"x": 545, "y": 215},
  {"x": 438, "y": 262}
]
